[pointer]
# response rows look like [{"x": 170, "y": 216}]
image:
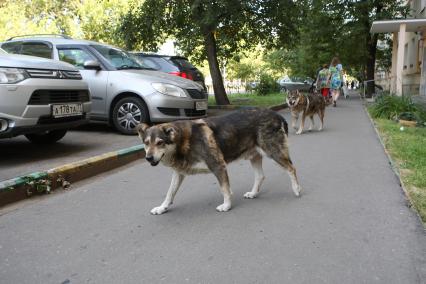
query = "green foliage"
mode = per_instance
[
  {"x": 89, "y": 19},
  {"x": 391, "y": 106},
  {"x": 408, "y": 149},
  {"x": 338, "y": 27},
  {"x": 253, "y": 100},
  {"x": 237, "y": 25},
  {"x": 267, "y": 85}
]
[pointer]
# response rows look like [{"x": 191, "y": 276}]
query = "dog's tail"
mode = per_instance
[{"x": 285, "y": 125}]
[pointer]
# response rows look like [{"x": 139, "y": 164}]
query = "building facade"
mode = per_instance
[{"x": 408, "y": 73}]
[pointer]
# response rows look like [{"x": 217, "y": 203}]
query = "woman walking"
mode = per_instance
[
  {"x": 335, "y": 79},
  {"x": 323, "y": 82}
]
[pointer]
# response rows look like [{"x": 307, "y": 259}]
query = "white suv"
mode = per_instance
[{"x": 40, "y": 98}]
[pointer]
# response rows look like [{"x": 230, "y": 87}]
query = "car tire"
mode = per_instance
[
  {"x": 49, "y": 137},
  {"x": 128, "y": 113}
]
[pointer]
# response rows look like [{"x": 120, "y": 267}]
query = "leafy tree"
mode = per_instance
[
  {"x": 211, "y": 29},
  {"x": 340, "y": 28},
  {"x": 88, "y": 19},
  {"x": 361, "y": 15}
]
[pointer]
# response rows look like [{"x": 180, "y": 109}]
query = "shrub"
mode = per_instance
[
  {"x": 390, "y": 106},
  {"x": 267, "y": 85}
]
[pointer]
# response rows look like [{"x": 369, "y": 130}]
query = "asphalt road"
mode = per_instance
[
  {"x": 351, "y": 225},
  {"x": 19, "y": 156}
]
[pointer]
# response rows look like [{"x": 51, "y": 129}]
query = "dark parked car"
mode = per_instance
[
  {"x": 175, "y": 65},
  {"x": 296, "y": 83}
]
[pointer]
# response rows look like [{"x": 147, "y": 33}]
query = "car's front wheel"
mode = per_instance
[
  {"x": 128, "y": 113},
  {"x": 48, "y": 137}
]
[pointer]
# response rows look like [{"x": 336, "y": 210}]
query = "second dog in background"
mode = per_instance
[{"x": 308, "y": 105}]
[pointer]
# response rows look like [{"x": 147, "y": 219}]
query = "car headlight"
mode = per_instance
[
  {"x": 12, "y": 75},
  {"x": 170, "y": 90}
]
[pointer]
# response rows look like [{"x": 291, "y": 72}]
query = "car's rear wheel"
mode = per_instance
[
  {"x": 48, "y": 137},
  {"x": 128, "y": 113}
]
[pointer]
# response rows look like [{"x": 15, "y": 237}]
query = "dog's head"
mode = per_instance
[
  {"x": 293, "y": 98},
  {"x": 159, "y": 140}
]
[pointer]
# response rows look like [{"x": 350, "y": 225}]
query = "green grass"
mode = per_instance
[
  {"x": 408, "y": 150},
  {"x": 253, "y": 100}
]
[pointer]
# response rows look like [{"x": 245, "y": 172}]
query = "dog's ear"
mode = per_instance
[
  {"x": 170, "y": 131},
  {"x": 141, "y": 128}
]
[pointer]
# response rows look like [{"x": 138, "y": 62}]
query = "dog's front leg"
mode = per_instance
[
  {"x": 177, "y": 179},
  {"x": 294, "y": 118},
  {"x": 222, "y": 176},
  {"x": 302, "y": 124}
]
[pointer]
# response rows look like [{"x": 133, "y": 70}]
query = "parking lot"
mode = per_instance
[{"x": 19, "y": 156}]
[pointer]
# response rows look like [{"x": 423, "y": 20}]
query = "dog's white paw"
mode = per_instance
[
  {"x": 320, "y": 129},
  {"x": 299, "y": 132},
  {"x": 158, "y": 210},
  {"x": 224, "y": 207},
  {"x": 297, "y": 191},
  {"x": 250, "y": 195}
]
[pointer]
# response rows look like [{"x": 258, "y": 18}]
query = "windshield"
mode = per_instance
[{"x": 119, "y": 58}]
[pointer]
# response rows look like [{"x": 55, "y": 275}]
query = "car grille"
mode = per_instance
[
  {"x": 193, "y": 112},
  {"x": 51, "y": 120},
  {"x": 197, "y": 94},
  {"x": 169, "y": 111},
  {"x": 54, "y": 74},
  {"x": 44, "y": 97}
]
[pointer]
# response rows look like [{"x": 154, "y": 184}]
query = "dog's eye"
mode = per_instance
[
  {"x": 146, "y": 142},
  {"x": 160, "y": 142}
]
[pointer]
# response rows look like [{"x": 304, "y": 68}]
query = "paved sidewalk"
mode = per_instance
[{"x": 352, "y": 224}]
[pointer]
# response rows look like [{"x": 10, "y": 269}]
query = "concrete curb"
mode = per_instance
[{"x": 23, "y": 186}]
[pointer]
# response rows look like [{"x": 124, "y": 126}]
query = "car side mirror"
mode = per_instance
[{"x": 92, "y": 65}]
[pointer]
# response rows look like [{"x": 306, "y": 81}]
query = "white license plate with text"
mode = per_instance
[
  {"x": 200, "y": 105},
  {"x": 67, "y": 110}
]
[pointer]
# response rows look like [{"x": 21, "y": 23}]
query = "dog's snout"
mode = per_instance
[{"x": 149, "y": 158}]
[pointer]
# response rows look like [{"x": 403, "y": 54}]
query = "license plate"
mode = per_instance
[
  {"x": 67, "y": 110},
  {"x": 200, "y": 105}
]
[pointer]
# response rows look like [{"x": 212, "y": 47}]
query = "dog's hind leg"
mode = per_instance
[
  {"x": 312, "y": 122},
  {"x": 321, "y": 116},
  {"x": 177, "y": 179},
  {"x": 284, "y": 160},
  {"x": 256, "y": 163},
  {"x": 275, "y": 146}
]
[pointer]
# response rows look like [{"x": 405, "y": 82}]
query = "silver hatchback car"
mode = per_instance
[
  {"x": 124, "y": 92},
  {"x": 40, "y": 98}
]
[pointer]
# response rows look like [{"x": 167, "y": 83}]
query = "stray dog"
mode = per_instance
[
  {"x": 307, "y": 105},
  {"x": 215, "y": 142}
]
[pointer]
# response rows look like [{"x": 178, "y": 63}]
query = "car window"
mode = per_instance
[
  {"x": 150, "y": 62},
  {"x": 75, "y": 56},
  {"x": 184, "y": 63},
  {"x": 12, "y": 47},
  {"x": 164, "y": 64},
  {"x": 39, "y": 49},
  {"x": 119, "y": 58}
]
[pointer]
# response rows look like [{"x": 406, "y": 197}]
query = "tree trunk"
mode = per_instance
[
  {"x": 371, "y": 63},
  {"x": 218, "y": 87},
  {"x": 371, "y": 46}
]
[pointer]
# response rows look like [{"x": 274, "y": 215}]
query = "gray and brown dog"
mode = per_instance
[
  {"x": 208, "y": 145},
  {"x": 308, "y": 105}
]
